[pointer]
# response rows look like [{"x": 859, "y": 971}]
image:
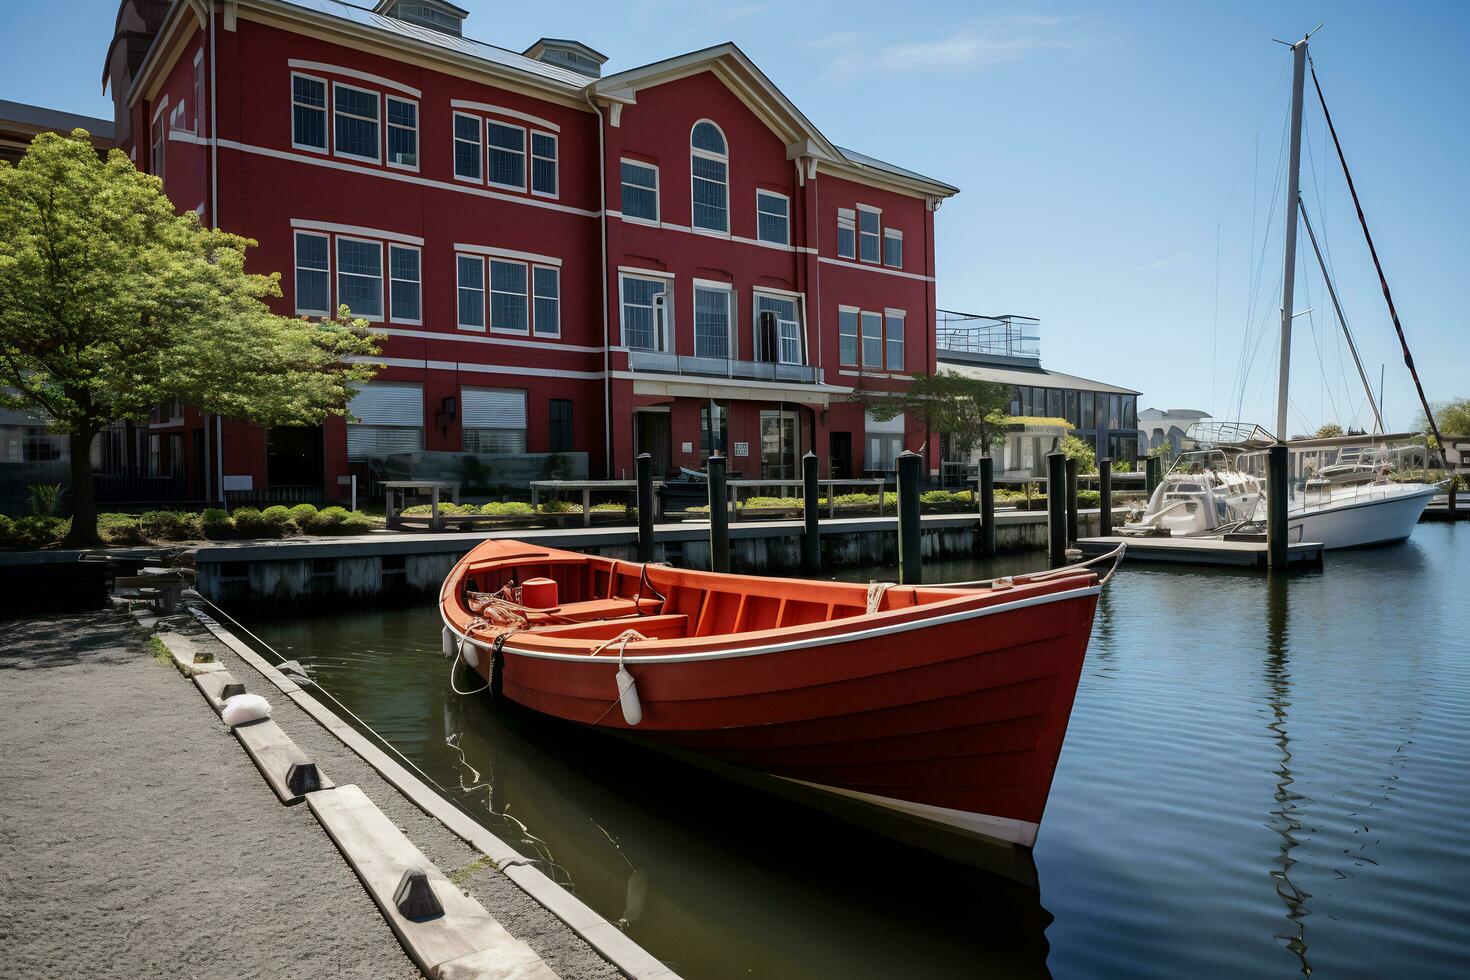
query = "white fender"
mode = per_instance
[
  {"x": 446, "y": 642},
  {"x": 628, "y": 696},
  {"x": 470, "y": 652}
]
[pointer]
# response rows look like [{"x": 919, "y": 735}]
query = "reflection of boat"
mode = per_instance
[{"x": 947, "y": 705}]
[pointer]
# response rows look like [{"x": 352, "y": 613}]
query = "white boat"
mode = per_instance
[
  {"x": 1355, "y": 515},
  {"x": 1203, "y": 494}
]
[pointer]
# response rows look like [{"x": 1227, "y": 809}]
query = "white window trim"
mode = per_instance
[
  {"x": 715, "y": 286},
  {"x": 531, "y": 309},
  {"x": 902, "y": 316},
  {"x": 455, "y": 140},
  {"x": 361, "y": 76},
  {"x": 759, "y": 193},
  {"x": 198, "y": 92},
  {"x": 382, "y": 275},
  {"x": 658, "y": 207},
  {"x": 393, "y": 316},
  {"x": 417, "y": 142},
  {"x": 858, "y": 237},
  {"x": 326, "y": 111},
  {"x": 484, "y": 294},
  {"x": 296, "y": 272},
  {"x": 862, "y": 364},
  {"x": 531, "y": 159},
  {"x": 360, "y": 231},
  {"x": 525, "y": 156},
  {"x": 490, "y": 294},
  {"x": 496, "y": 110},
  {"x": 800, "y": 299},
  {"x": 666, "y": 342},
  {"x": 858, "y": 311},
  {"x": 848, "y": 217},
  {"x": 507, "y": 253},
  {"x": 709, "y": 155},
  {"x": 332, "y": 134},
  {"x": 883, "y": 247}
]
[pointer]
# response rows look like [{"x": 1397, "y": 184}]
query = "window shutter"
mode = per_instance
[
  {"x": 493, "y": 408},
  {"x": 389, "y": 403}
]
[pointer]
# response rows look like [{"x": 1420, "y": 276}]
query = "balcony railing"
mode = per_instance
[
  {"x": 992, "y": 336},
  {"x": 659, "y": 362}
]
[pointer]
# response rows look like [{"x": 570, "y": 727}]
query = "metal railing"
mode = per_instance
[
  {"x": 994, "y": 336},
  {"x": 721, "y": 367}
]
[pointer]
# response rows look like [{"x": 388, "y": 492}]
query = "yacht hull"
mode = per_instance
[{"x": 1381, "y": 515}]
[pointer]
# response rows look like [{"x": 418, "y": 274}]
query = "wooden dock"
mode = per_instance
[{"x": 1201, "y": 551}]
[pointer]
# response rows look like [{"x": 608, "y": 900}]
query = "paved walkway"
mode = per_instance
[{"x": 138, "y": 839}]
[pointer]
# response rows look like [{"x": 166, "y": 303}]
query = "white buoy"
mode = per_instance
[
  {"x": 446, "y": 641},
  {"x": 628, "y": 696},
  {"x": 470, "y": 652}
]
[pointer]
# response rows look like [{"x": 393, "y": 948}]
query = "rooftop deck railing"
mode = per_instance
[
  {"x": 659, "y": 362},
  {"x": 1002, "y": 336}
]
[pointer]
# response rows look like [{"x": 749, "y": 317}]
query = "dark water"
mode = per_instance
[{"x": 1261, "y": 778}]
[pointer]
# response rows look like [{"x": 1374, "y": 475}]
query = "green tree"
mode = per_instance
[
  {"x": 111, "y": 303},
  {"x": 1329, "y": 431},
  {"x": 972, "y": 412},
  {"x": 1081, "y": 450},
  {"x": 1453, "y": 418}
]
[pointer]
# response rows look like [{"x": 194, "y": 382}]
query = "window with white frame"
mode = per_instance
[
  {"x": 387, "y": 417},
  {"x": 645, "y": 313},
  {"x": 403, "y": 133},
  {"x": 405, "y": 293},
  {"x": 355, "y": 122},
  {"x": 470, "y": 276},
  {"x": 709, "y": 176},
  {"x": 546, "y": 290},
  {"x": 360, "y": 277},
  {"x": 313, "y": 275},
  {"x": 870, "y": 233},
  {"x": 158, "y": 147},
  {"x": 467, "y": 133},
  {"x": 506, "y": 155},
  {"x": 893, "y": 248},
  {"x": 846, "y": 233},
  {"x": 308, "y": 113},
  {"x": 493, "y": 420},
  {"x": 543, "y": 164},
  {"x": 712, "y": 321},
  {"x": 198, "y": 93},
  {"x": 508, "y": 309},
  {"x": 847, "y": 334},
  {"x": 640, "y": 191},
  {"x": 893, "y": 339},
  {"x": 773, "y": 217},
  {"x": 872, "y": 339},
  {"x": 787, "y": 341}
]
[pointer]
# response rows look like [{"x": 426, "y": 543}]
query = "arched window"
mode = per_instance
[{"x": 709, "y": 177}]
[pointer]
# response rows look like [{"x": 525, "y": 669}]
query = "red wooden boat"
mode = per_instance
[{"x": 942, "y": 703}]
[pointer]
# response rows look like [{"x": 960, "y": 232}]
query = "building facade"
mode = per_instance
[{"x": 670, "y": 259}]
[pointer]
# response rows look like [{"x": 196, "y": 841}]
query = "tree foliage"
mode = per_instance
[
  {"x": 1453, "y": 418},
  {"x": 971, "y": 411},
  {"x": 111, "y": 303},
  {"x": 1082, "y": 451},
  {"x": 1330, "y": 430}
]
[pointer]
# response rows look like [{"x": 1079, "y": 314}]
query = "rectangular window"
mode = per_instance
[
  {"x": 198, "y": 94},
  {"x": 546, "y": 285},
  {"x": 471, "y": 277},
  {"x": 893, "y": 248},
  {"x": 508, "y": 309},
  {"x": 773, "y": 217},
  {"x": 787, "y": 342},
  {"x": 404, "y": 284},
  {"x": 872, "y": 340},
  {"x": 494, "y": 420},
  {"x": 466, "y": 147},
  {"x": 360, "y": 277},
  {"x": 644, "y": 313},
  {"x": 403, "y": 133},
  {"x": 711, "y": 322},
  {"x": 710, "y": 191},
  {"x": 157, "y": 150},
  {"x": 870, "y": 224},
  {"x": 847, "y": 335},
  {"x": 507, "y": 155},
  {"x": 893, "y": 340},
  {"x": 640, "y": 191},
  {"x": 313, "y": 275},
  {"x": 846, "y": 233},
  {"x": 387, "y": 418},
  {"x": 543, "y": 164},
  {"x": 560, "y": 430},
  {"x": 308, "y": 113},
  {"x": 713, "y": 434},
  {"x": 355, "y": 122}
]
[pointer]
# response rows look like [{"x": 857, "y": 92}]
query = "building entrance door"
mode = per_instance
[
  {"x": 293, "y": 457},
  {"x": 652, "y": 435},
  {"x": 839, "y": 461},
  {"x": 779, "y": 445}
]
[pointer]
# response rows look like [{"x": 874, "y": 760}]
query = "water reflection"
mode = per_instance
[{"x": 1284, "y": 818}]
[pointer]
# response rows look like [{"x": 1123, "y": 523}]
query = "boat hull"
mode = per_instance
[{"x": 1379, "y": 516}]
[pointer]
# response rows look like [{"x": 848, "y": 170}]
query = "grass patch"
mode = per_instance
[
  {"x": 159, "y": 651},
  {"x": 461, "y": 876}
]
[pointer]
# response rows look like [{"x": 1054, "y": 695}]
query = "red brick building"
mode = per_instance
[{"x": 664, "y": 259}]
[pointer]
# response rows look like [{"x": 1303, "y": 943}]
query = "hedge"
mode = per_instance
[{"x": 213, "y": 524}]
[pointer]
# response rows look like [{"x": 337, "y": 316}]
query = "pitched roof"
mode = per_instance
[
  {"x": 1037, "y": 377},
  {"x": 20, "y": 117}
]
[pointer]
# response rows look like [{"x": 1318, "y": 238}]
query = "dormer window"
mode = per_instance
[
  {"x": 433, "y": 14},
  {"x": 571, "y": 55}
]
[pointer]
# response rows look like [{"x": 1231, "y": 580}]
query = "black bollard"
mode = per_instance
[
  {"x": 987, "y": 506},
  {"x": 811, "y": 541},
  {"x": 645, "y": 507},
  {"x": 1105, "y": 497},
  {"x": 719, "y": 516},
  {"x": 1451, "y": 504},
  {"x": 910, "y": 540},
  {"x": 1150, "y": 475},
  {"x": 1056, "y": 508},
  {"x": 1277, "y": 552},
  {"x": 1071, "y": 500}
]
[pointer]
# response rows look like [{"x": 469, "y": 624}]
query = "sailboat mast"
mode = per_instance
[{"x": 1293, "y": 192}]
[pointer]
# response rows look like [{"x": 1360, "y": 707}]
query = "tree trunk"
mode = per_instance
[{"x": 84, "y": 505}]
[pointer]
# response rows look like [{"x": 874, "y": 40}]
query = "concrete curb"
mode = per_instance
[{"x": 273, "y": 753}]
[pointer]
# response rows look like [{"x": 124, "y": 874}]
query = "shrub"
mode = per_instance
[
  {"x": 250, "y": 523},
  {"x": 302, "y": 515},
  {"x": 169, "y": 525},
  {"x": 610, "y": 508},
  {"x": 216, "y": 524},
  {"x": 508, "y": 508},
  {"x": 354, "y": 522},
  {"x": 119, "y": 529},
  {"x": 772, "y": 503},
  {"x": 7, "y": 532},
  {"x": 555, "y": 506},
  {"x": 37, "y": 531},
  {"x": 446, "y": 509},
  {"x": 44, "y": 499},
  {"x": 340, "y": 520}
]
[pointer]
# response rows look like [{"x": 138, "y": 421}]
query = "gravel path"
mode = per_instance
[{"x": 137, "y": 838}]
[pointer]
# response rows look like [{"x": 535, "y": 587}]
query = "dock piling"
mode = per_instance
[
  {"x": 811, "y": 541},
  {"x": 1056, "y": 508},
  {"x": 910, "y": 540},
  {"x": 1072, "y": 534},
  {"x": 1150, "y": 475},
  {"x": 1277, "y": 552},
  {"x": 719, "y": 516},
  {"x": 987, "y": 506},
  {"x": 1105, "y": 497},
  {"x": 645, "y": 507}
]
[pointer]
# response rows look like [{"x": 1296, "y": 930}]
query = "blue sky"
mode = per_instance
[{"x": 1107, "y": 154}]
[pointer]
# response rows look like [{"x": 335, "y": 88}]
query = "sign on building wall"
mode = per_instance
[{"x": 742, "y": 449}]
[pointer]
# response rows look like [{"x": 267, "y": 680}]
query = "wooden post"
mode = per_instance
[
  {"x": 719, "y": 515},
  {"x": 910, "y": 535},
  {"x": 1071, "y": 500},
  {"x": 1452, "y": 504},
  {"x": 1105, "y": 497},
  {"x": 1150, "y": 475},
  {"x": 987, "y": 506},
  {"x": 1277, "y": 552},
  {"x": 645, "y": 507},
  {"x": 811, "y": 542},
  {"x": 1056, "y": 508}
]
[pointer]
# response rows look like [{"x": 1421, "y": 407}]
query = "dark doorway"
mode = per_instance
[
  {"x": 199, "y": 485},
  {"x": 840, "y": 462},
  {"x": 293, "y": 456},
  {"x": 652, "y": 435}
]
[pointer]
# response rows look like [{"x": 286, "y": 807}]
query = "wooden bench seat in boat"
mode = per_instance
[
  {"x": 665, "y": 627},
  {"x": 598, "y": 609}
]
